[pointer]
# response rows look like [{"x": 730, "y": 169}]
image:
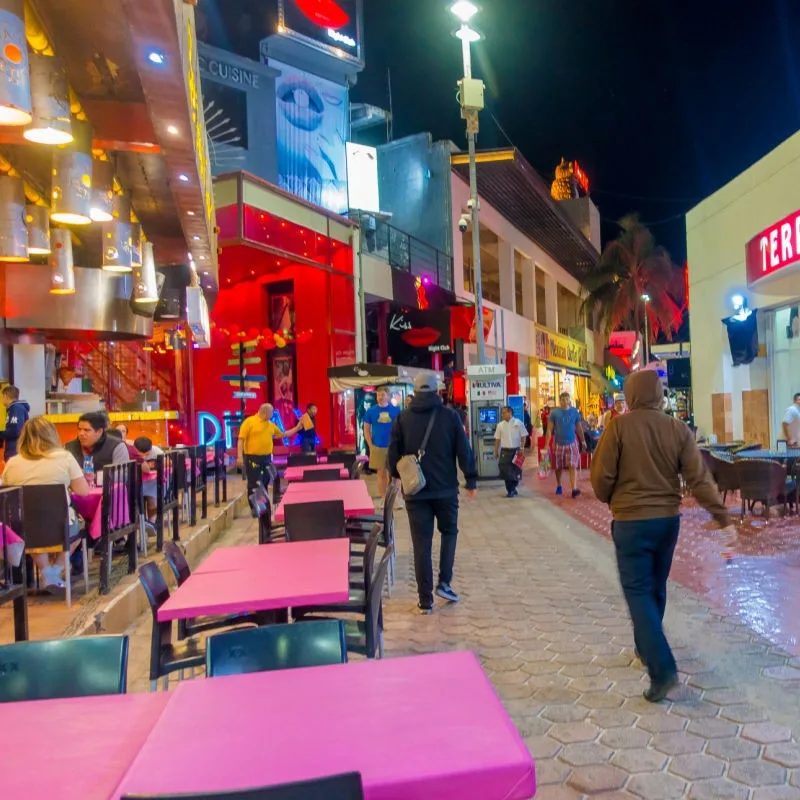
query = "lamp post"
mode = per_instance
[
  {"x": 646, "y": 299},
  {"x": 471, "y": 100}
]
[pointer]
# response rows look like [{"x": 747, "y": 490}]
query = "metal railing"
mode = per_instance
[
  {"x": 170, "y": 477},
  {"x": 198, "y": 482},
  {"x": 220, "y": 474},
  {"x": 122, "y": 492}
]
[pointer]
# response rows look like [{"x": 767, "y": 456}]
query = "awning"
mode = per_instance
[
  {"x": 581, "y": 373},
  {"x": 360, "y": 376}
]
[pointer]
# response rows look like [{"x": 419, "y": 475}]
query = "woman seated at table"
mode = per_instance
[{"x": 42, "y": 461}]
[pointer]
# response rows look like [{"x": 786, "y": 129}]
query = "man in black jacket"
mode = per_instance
[
  {"x": 438, "y": 501},
  {"x": 17, "y": 413}
]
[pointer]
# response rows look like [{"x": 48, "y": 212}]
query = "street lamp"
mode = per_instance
[
  {"x": 472, "y": 102},
  {"x": 646, "y": 300}
]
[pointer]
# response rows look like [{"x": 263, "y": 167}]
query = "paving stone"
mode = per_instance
[
  {"x": 595, "y": 684},
  {"x": 676, "y": 744},
  {"x": 713, "y": 728},
  {"x": 782, "y": 673},
  {"x": 766, "y": 733},
  {"x": 757, "y": 773},
  {"x": 785, "y": 753},
  {"x": 625, "y": 738},
  {"x": 532, "y": 726},
  {"x": 663, "y": 723},
  {"x": 708, "y": 680},
  {"x": 601, "y": 700},
  {"x": 582, "y": 755},
  {"x": 565, "y": 713},
  {"x": 777, "y": 793},
  {"x": 697, "y": 766},
  {"x": 694, "y": 709},
  {"x": 541, "y": 747},
  {"x": 570, "y": 732},
  {"x": 612, "y": 718},
  {"x": 639, "y": 760},
  {"x": 743, "y": 712},
  {"x": 581, "y": 670},
  {"x": 551, "y": 770},
  {"x": 657, "y": 787},
  {"x": 555, "y": 695},
  {"x": 597, "y": 778},
  {"x": 555, "y": 792},
  {"x": 724, "y": 697},
  {"x": 718, "y": 789},
  {"x": 733, "y": 749}
]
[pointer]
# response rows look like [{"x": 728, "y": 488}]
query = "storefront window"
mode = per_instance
[{"x": 785, "y": 363}]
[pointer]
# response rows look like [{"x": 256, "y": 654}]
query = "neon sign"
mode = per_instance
[{"x": 581, "y": 177}]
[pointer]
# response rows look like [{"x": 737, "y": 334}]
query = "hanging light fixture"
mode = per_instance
[
  {"x": 137, "y": 241},
  {"x": 72, "y": 178},
  {"x": 102, "y": 191},
  {"x": 145, "y": 282},
  {"x": 62, "y": 272},
  {"x": 37, "y": 218},
  {"x": 15, "y": 88},
  {"x": 117, "y": 237},
  {"x": 51, "y": 122},
  {"x": 13, "y": 233}
]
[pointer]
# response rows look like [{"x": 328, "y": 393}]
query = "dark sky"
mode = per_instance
[{"x": 661, "y": 101}]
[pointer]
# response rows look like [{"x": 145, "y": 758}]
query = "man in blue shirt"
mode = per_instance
[
  {"x": 565, "y": 425},
  {"x": 377, "y": 430}
]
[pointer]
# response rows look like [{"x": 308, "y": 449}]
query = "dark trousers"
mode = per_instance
[
  {"x": 644, "y": 556},
  {"x": 421, "y": 517},
  {"x": 509, "y": 471},
  {"x": 257, "y": 470}
]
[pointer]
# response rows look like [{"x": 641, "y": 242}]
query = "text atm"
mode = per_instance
[{"x": 487, "y": 396}]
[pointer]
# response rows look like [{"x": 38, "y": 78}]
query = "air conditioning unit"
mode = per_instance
[{"x": 197, "y": 316}]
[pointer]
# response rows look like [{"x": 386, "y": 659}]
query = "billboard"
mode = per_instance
[
  {"x": 312, "y": 131},
  {"x": 362, "y": 177},
  {"x": 330, "y": 25}
]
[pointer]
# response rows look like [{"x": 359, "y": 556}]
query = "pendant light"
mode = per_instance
[
  {"x": 15, "y": 88},
  {"x": 13, "y": 233},
  {"x": 145, "y": 282},
  {"x": 72, "y": 178},
  {"x": 137, "y": 241},
  {"x": 50, "y": 102},
  {"x": 102, "y": 191},
  {"x": 37, "y": 219},
  {"x": 117, "y": 237},
  {"x": 62, "y": 274}
]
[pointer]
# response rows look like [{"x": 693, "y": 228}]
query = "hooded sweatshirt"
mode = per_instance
[
  {"x": 641, "y": 455},
  {"x": 16, "y": 416}
]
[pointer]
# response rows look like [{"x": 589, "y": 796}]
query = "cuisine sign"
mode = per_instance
[{"x": 774, "y": 249}]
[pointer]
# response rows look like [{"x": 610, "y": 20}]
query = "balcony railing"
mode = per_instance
[{"x": 404, "y": 252}]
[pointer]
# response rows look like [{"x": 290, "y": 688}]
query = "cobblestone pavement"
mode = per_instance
[{"x": 542, "y": 608}]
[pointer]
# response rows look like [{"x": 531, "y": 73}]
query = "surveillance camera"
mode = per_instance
[
  {"x": 463, "y": 223},
  {"x": 470, "y": 204}
]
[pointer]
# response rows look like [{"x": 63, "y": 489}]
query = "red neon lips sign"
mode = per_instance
[
  {"x": 325, "y": 13},
  {"x": 773, "y": 249}
]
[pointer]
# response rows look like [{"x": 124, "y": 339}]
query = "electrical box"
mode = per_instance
[{"x": 471, "y": 91}]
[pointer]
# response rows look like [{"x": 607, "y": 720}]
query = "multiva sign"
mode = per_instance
[{"x": 774, "y": 249}]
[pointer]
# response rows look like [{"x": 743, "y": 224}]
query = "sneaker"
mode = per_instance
[
  {"x": 424, "y": 609},
  {"x": 575, "y": 493},
  {"x": 659, "y": 691},
  {"x": 445, "y": 591},
  {"x": 559, "y": 490}
]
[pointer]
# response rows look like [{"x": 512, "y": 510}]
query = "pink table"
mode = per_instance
[
  {"x": 90, "y": 506},
  {"x": 281, "y": 576},
  {"x": 373, "y": 717},
  {"x": 296, "y": 473},
  {"x": 354, "y": 494},
  {"x": 75, "y": 749}
]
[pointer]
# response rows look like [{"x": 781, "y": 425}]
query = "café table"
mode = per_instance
[
  {"x": 354, "y": 494},
  {"x": 73, "y": 749},
  {"x": 790, "y": 454},
  {"x": 280, "y": 575},
  {"x": 293, "y": 474},
  {"x": 372, "y": 717}
]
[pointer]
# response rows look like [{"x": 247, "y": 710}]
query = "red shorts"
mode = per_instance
[{"x": 567, "y": 456}]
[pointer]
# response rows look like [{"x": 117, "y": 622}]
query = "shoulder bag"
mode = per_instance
[{"x": 409, "y": 467}]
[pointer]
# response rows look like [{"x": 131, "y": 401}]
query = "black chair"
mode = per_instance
[
  {"x": 316, "y": 475},
  {"x": 166, "y": 657},
  {"x": 764, "y": 482},
  {"x": 268, "y": 531},
  {"x": 122, "y": 499},
  {"x": 357, "y": 470},
  {"x": 45, "y": 511},
  {"x": 725, "y": 474},
  {"x": 191, "y": 627},
  {"x": 347, "y": 460},
  {"x": 366, "y": 637},
  {"x": 276, "y": 647},
  {"x": 13, "y": 583},
  {"x": 337, "y": 787},
  {"x": 323, "y": 519},
  {"x": 301, "y": 459},
  {"x": 359, "y": 527},
  {"x": 81, "y": 666}
]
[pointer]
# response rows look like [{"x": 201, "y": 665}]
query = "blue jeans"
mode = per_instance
[{"x": 644, "y": 556}]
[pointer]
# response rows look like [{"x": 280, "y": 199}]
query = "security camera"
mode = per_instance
[
  {"x": 471, "y": 204},
  {"x": 463, "y": 223}
]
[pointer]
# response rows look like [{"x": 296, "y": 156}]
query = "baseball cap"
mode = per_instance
[{"x": 426, "y": 382}]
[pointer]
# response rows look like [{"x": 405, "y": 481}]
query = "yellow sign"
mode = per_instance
[{"x": 560, "y": 349}]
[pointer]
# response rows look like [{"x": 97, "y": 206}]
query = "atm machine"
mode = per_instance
[{"x": 487, "y": 396}]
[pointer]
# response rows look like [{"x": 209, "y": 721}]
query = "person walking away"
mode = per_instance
[
  {"x": 256, "y": 443},
  {"x": 377, "y": 432},
  {"x": 438, "y": 501},
  {"x": 509, "y": 438},
  {"x": 307, "y": 426},
  {"x": 636, "y": 470},
  {"x": 791, "y": 423},
  {"x": 17, "y": 413},
  {"x": 564, "y": 425}
]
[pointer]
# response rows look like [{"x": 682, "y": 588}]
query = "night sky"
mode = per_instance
[{"x": 661, "y": 101}]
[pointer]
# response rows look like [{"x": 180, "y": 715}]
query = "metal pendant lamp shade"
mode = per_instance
[
  {"x": 62, "y": 272},
  {"x": 145, "y": 281},
  {"x": 72, "y": 178},
  {"x": 117, "y": 237},
  {"x": 13, "y": 233},
  {"x": 50, "y": 102},
  {"x": 37, "y": 218},
  {"x": 137, "y": 242},
  {"x": 15, "y": 87},
  {"x": 102, "y": 191}
]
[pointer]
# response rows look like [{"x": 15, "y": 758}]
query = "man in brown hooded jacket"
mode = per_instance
[{"x": 636, "y": 469}]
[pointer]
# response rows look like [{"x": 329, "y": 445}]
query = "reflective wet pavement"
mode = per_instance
[{"x": 753, "y": 577}]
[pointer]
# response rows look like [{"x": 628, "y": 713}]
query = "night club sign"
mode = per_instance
[{"x": 332, "y": 25}]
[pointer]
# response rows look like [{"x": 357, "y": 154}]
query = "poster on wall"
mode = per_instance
[
  {"x": 312, "y": 135},
  {"x": 330, "y": 25},
  {"x": 362, "y": 177},
  {"x": 283, "y": 394}
]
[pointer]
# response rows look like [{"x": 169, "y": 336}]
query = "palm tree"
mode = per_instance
[{"x": 630, "y": 266}]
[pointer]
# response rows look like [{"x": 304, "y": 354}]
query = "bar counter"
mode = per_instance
[{"x": 153, "y": 424}]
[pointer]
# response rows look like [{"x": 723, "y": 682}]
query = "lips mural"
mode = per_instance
[
  {"x": 325, "y": 13},
  {"x": 421, "y": 337}
]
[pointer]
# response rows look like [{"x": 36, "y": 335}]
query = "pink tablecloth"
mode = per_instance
[
  {"x": 421, "y": 727},
  {"x": 296, "y": 473},
  {"x": 276, "y": 576},
  {"x": 90, "y": 507},
  {"x": 75, "y": 749},
  {"x": 354, "y": 494}
]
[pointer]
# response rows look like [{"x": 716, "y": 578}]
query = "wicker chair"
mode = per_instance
[
  {"x": 724, "y": 471},
  {"x": 764, "y": 482}
]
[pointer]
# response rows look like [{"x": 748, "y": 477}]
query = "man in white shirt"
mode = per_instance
[
  {"x": 508, "y": 439},
  {"x": 791, "y": 423}
]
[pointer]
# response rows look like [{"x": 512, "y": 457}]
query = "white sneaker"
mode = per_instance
[{"x": 53, "y": 577}]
